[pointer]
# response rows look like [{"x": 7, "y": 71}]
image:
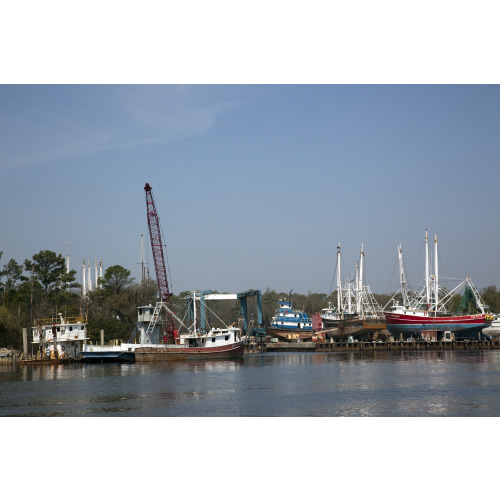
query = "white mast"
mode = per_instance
[
  {"x": 95, "y": 273},
  {"x": 67, "y": 264},
  {"x": 100, "y": 272},
  {"x": 361, "y": 272},
  {"x": 194, "y": 312},
  {"x": 361, "y": 268},
  {"x": 339, "y": 282},
  {"x": 84, "y": 289},
  {"x": 436, "y": 286},
  {"x": 357, "y": 291},
  {"x": 402, "y": 276},
  {"x": 89, "y": 276},
  {"x": 427, "y": 287},
  {"x": 356, "y": 280}
]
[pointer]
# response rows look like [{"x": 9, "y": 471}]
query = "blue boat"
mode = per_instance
[{"x": 289, "y": 324}]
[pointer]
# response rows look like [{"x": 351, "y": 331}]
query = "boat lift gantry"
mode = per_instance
[{"x": 248, "y": 327}]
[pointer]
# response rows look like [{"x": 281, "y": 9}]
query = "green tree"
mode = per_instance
[
  {"x": 114, "y": 308},
  {"x": 115, "y": 279},
  {"x": 10, "y": 330},
  {"x": 491, "y": 297},
  {"x": 1, "y": 284},
  {"x": 50, "y": 271},
  {"x": 13, "y": 273}
]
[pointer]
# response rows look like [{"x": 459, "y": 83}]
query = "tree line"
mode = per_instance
[{"x": 42, "y": 287}]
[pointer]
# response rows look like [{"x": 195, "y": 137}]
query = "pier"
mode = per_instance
[{"x": 397, "y": 345}]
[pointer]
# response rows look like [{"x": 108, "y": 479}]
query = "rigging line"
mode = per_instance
[
  {"x": 346, "y": 273},
  {"x": 390, "y": 300},
  {"x": 441, "y": 266},
  {"x": 174, "y": 315},
  {"x": 420, "y": 251},
  {"x": 392, "y": 277},
  {"x": 333, "y": 279},
  {"x": 210, "y": 310},
  {"x": 185, "y": 314}
]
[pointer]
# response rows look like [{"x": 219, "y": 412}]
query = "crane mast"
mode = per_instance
[{"x": 158, "y": 258}]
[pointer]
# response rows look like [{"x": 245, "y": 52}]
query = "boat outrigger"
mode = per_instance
[
  {"x": 424, "y": 314},
  {"x": 194, "y": 342},
  {"x": 357, "y": 313}
]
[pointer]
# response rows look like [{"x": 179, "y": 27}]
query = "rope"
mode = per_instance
[
  {"x": 333, "y": 279},
  {"x": 392, "y": 277},
  {"x": 206, "y": 319}
]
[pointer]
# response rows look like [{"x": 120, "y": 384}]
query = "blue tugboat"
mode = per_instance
[{"x": 289, "y": 324}]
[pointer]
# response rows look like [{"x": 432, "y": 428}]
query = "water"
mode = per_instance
[{"x": 352, "y": 384}]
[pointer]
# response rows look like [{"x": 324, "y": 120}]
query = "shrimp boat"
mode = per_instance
[
  {"x": 425, "y": 312},
  {"x": 58, "y": 340},
  {"x": 288, "y": 324},
  {"x": 195, "y": 343},
  {"x": 357, "y": 313}
]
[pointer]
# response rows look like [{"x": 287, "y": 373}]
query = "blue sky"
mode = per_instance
[{"x": 255, "y": 184}]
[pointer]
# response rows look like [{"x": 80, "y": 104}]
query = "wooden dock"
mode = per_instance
[
  {"x": 48, "y": 361},
  {"x": 399, "y": 345}
]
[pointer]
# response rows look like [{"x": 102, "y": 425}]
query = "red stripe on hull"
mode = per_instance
[
  {"x": 408, "y": 319},
  {"x": 144, "y": 354}
]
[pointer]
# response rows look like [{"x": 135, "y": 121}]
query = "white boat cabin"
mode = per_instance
[
  {"x": 216, "y": 337},
  {"x": 396, "y": 308},
  {"x": 65, "y": 336}
]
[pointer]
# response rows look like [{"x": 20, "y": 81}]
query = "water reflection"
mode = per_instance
[{"x": 427, "y": 383}]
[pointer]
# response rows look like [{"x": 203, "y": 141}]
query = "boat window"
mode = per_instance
[
  {"x": 213, "y": 339},
  {"x": 226, "y": 337}
]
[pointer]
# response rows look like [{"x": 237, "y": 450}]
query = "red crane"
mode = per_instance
[{"x": 157, "y": 248}]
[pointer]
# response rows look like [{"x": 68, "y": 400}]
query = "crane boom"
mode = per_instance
[
  {"x": 159, "y": 260},
  {"x": 156, "y": 245}
]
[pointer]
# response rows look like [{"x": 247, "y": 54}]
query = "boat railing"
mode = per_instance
[
  {"x": 101, "y": 348},
  {"x": 60, "y": 321}
]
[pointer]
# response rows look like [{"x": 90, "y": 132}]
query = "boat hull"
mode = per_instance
[
  {"x": 462, "y": 326},
  {"x": 179, "y": 352},
  {"x": 330, "y": 323},
  {"x": 290, "y": 333},
  {"x": 357, "y": 329},
  {"x": 108, "y": 356}
]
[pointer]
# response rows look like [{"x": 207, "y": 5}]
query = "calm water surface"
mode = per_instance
[{"x": 465, "y": 383}]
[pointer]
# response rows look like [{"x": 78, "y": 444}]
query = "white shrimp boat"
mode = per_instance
[
  {"x": 59, "y": 338},
  {"x": 226, "y": 342}
]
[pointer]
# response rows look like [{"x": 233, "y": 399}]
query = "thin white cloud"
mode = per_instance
[{"x": 73, "y": 120}]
